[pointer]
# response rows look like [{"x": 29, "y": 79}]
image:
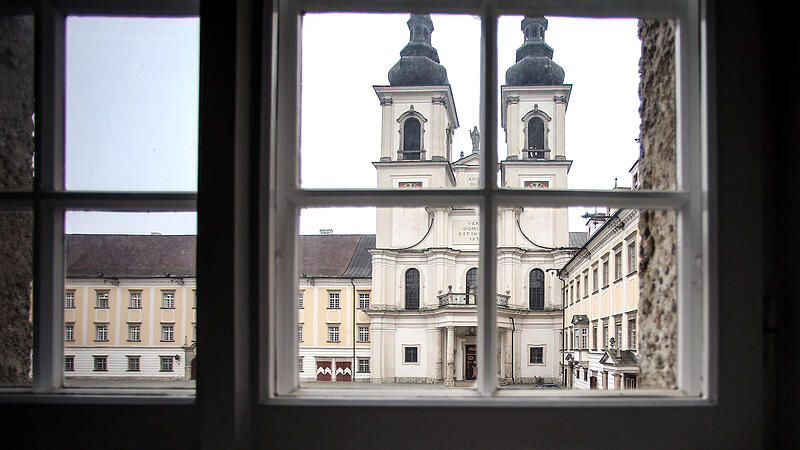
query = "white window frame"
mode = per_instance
[
  {"x": 135, "y": 299},
  {"x": 101, "y": 336},
  {"x": 135, "y": 331},
  {"x": 366, "y": 361},
  {"x": 69, "y": 332},
  {"x": 167, "y": 332},
  {"x": 101, "y": 298},
  {"x": 334, "y": 300},
  {"x": 69, "y": 299},
  {"x": 693, "y": 381},
  {"x": 97, "y": 359},
  {"x": 168, "y": 299},
  {"x": 333, "y": 333},
  {"x": 69, "y": 363},
  {"x": 361, "y": 296},
  {"x": 363, "y": 333}
]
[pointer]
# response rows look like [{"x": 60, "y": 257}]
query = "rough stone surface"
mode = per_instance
[
  {"x": 16, "y": 228},
  {"x": 658, "y": 252}
]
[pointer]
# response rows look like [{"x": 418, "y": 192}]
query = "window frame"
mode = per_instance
[
  {"x": 281, "y": 384},
  {"x": 225, "y": 61}
]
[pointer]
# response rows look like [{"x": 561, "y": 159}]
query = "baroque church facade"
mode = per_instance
[{"x": 423, "y": 314}]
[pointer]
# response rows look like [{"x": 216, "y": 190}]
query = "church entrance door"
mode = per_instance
[{"x": 471, "y": 363}]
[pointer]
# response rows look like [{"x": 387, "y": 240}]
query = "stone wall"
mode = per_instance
[
  {"x": 658, "y": 253},
  {"x": 16, "y": 173}
]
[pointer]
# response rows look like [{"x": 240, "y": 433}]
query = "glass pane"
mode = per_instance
[
  {"x": 570, "y": 107},
  {"x": 130, "y": 301},
  {"x": 16, "y": 285},
  {"x": 607, "y": 292},
  {"x": 132, "y": 103},
  {"x": 16, "y": 103},
  {"x": 393, "y": 116},
  {"x": 394, "y": 303}
]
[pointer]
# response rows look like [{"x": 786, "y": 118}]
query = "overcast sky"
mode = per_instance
[{"x": 132, "y": 105}]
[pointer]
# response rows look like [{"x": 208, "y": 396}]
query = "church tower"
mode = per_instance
[
  {"x": 418, "y": 121},
  {"x": 534, "y": 105}
]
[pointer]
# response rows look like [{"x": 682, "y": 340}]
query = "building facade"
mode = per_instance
[
  {"x": 335, "y": 289},
  {"x": 423, "y": 315},
  {"x": 601, "y": 303},
  {"x": 130, "y": 306}
]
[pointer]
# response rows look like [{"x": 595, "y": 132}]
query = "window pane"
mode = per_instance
[
  {"x": 130, "y": 312},
  {"x": 605, "y": 328},
  {"x": 132, "y": 103},
  {"x": 16, "y": 103},
  {"x": 16, "y": 282},
  {"x": 569, "y": 104},
  {"x": 366, "y": 107},
  {"x": 354, "y": 285}
]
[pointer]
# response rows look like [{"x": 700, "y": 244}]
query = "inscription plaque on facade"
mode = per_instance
[{"x": 466, "y": 231}]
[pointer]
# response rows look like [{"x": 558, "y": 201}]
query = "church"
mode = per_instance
[{"x": 423, "y": 313}]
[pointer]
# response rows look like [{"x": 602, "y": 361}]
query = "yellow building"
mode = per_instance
[
  {"x": 130, "y": 306},
  {"x": 335, "y": 287},
  {"x": 601, "y": 302}
]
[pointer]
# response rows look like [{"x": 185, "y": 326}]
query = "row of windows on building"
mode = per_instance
[
  {"x": 134, "y": 299},
  {"x": 579, "y": 336},
  {"x": 628, "y": 379},
  {"x": 362, "y": 367},
  {"x": 333, "y": 300},
  {"x": 333, "y": 333},
  {"x": 573, "y": 292},
  {"x": 134, "y": 332},
  {"x": 100, "y": 363}
]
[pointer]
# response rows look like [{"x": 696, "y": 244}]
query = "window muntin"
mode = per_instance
[
  {"x": 333, "y": 300},
  {"x": 134, "y": 332},
  {"x": 363, "y": 300},
  {"x": 632, "y": 334},
  {"x": 69, "y": 332},
  {"x": 135, "y": 301},
  {"x": 363, "y": 365},
  {"x": 536, "y": 355},
  {"x": 167, "y": 332},
  {"x": 69, "y": 299},
  {"x": 101, "y": 332},
  {"x": 300, "y": 300},
  {"x": 166, "y": 363},
  {"x": 69, "y": 363},
  {"x": 100, "y": 363},
  {"x": 101, "y": 300},
  {"x": 300, "y": 332},
  {"x": 134, "y": 363},
  {"x": 333, "y": 333},
  {"x": 536, "y": 290},
  {"x": 363, "y": 333},
  {"x": 410, "y": 354},
  {"x": 168, "y": 299}
]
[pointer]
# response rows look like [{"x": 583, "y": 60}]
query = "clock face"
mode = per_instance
[{"x": 537, "y": 184}]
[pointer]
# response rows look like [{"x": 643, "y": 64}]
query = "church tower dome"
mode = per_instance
[
  {"x": 419, "y": 60},
  {"x": 535, "y": 66}
]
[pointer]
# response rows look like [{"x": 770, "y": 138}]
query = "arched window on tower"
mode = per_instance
[
  {"x": 412, "y": 139},
  {"x": 536, "y": 138},
  {"x": 412, "y": 289},
  {"x": 536, "y": 290},
  {"x": 472, "y": 285}
]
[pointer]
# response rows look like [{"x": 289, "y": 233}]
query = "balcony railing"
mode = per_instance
[{"x": 468, "y": 299}]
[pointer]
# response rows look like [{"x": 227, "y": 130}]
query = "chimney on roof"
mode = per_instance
[{"x": 326, "y": 231}]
